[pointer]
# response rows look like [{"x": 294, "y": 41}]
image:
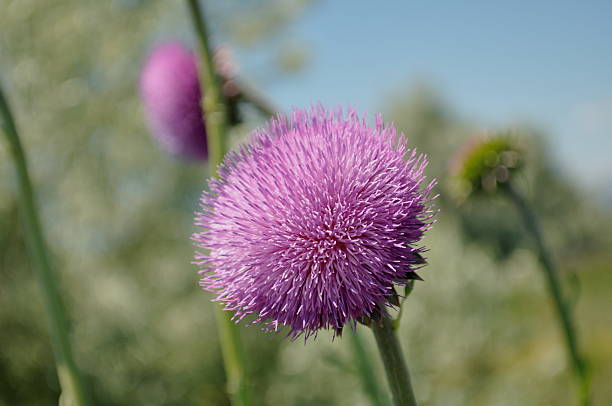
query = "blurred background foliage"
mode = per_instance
[{"x": 118, "y": 215}]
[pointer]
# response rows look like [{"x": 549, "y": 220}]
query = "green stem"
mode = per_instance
[
  {"x": 213, "y": 103},
  {"x": 215, "y": 117},
  {"x": 67, "y": 371},
  {"x": 366, "y": 371},
  {"x": 554, "y": 287},
  {"x": 393, "y": 359}
]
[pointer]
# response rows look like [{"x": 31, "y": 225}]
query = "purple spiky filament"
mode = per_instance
[
  {"x": 312, "y": 223},
  {"x": 170, "y": 92}
]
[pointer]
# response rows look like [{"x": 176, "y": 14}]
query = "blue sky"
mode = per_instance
[{"x": 544, "y": 62}]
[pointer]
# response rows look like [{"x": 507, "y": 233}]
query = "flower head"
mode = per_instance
[
  {"x": 313, "y": 222},
  {"x": 170, "y": 91}
]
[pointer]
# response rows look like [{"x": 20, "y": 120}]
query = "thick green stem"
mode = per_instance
[
  {"x": 215, "y": 117},
  {"x": 366, "y": 371},
  {"x": 68, "y": 373},
  {"x": 393, "y": 359},
  {"x": 554, "y": 288}
]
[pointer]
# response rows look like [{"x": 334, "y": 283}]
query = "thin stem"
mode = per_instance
[
  {"x": 407, "y": 290},
  {"x": 554, "y": 286},
  {"x": 67, "y": 371},
  {"x": 252, "y": 96},
  {"x": 393, "y": 359},
  {"x": 366, "y": 371},
  {"x": 215, "y": 117}
]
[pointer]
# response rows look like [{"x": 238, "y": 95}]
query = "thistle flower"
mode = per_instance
[
  {"x": 484, "y": 163},
  {"x": 170, "y": 91},
  {"x": 313, "y": 222}
]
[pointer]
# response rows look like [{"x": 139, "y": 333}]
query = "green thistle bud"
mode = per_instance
[{"x": 485, "y": 163}]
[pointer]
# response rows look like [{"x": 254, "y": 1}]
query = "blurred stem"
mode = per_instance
[
  {"x": 215, "y": 117},
  {"x": 366, "y": 371},
  {"x": 233, "y": 357},
  {"x": 554, "y": 286},
  {"x": 67, "y": 371},
  {"x": 213, "y": 103},
  {"x": 393, "y": 359},
  {"x": 252, "y": 96}
]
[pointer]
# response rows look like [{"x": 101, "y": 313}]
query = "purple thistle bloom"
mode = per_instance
[
  {"x": 313, "y": 222},
  {"x": 170, "y": 91}
]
